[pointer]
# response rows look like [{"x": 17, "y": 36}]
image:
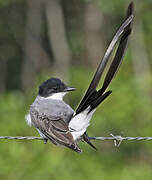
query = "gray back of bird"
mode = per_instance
[{"x": 53, "y": 108}]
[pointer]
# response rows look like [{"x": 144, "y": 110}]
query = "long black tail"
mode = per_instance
[{"x": 93, "y": 97}]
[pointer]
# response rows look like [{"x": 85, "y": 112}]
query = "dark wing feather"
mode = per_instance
[
  {"x": 60, "y": 126},
  {"x": 55, "y": 129},
  {"x": 59, "y": 132}
]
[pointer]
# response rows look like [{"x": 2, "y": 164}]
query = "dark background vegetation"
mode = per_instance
[{"x": 44, "y": 38}]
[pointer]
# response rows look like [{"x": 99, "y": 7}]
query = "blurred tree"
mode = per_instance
[
  {"x": 3, "y": 70},
  {"x": 35, "y": 55},
  {"x": 93, "y": 32},
  {"x": 57, "y": 38},
  {"x": 141, "y": 66}
]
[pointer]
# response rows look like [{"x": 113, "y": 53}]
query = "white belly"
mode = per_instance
[{"x": 28, "y": 119}]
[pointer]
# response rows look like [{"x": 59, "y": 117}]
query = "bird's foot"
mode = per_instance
[{"x": 45, "y": 140}]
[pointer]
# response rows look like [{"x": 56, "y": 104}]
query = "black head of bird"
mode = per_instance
[{"x": 52, "y": 86}]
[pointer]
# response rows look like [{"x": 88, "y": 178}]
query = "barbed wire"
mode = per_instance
[
  {"x": 116, "y": 138},
  {"x": 21, "y": 138}
]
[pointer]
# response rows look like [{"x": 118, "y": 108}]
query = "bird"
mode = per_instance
[{"x": 55, "y": 120}]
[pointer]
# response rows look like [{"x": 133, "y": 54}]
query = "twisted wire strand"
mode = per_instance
[
  {"x": 21, "y": 138},
  {"x": 118, "y": 138},
  {"x": 113, "y": 137}
]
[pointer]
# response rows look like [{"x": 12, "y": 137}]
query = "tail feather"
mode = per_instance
[
  {"x": 93, "y": 97},
  {"x": 99, "y": 100},
  {"x": 74, "y": 148},
  {"x": 90, "y": 94}
]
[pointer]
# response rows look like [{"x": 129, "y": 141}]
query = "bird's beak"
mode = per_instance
[{"x": 70, "y": 89}]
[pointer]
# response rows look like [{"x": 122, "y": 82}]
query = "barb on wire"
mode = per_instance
[{"x": 116, "y": 138}]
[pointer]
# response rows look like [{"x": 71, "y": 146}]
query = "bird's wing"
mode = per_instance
[
  {"x": 124, "y": 30},
  {"x": 55, "y": 129}
]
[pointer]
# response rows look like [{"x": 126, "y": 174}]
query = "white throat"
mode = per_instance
[{"x": 57, "y": 96}]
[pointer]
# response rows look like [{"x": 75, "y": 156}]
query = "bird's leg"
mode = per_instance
[
  {"x": 87, "y": 140},
  {"x": 45, "y": 140}
]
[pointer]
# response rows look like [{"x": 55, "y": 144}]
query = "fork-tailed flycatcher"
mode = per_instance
[{"x": 57, "y": 121}]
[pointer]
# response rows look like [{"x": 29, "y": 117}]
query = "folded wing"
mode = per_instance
[{"x": 54, "y": 129}]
